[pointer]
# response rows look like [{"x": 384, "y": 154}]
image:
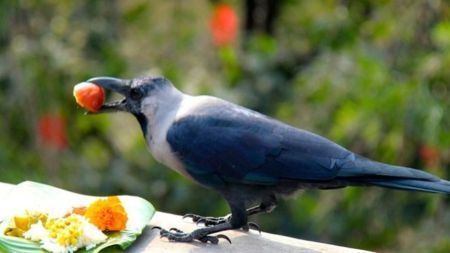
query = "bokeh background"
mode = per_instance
[{"x": 372, "y": 75}]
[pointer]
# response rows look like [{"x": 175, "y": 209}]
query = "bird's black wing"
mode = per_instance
[{"x": 239, "y": 145}]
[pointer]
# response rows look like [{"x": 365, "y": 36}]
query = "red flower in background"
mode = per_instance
[
  {"x": 224, "y": 25},
  {"x": 429, "y": 153},
  {"x": 52, "y": 131}
]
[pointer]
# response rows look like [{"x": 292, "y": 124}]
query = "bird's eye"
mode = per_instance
[{"x": 135, "y": 94}]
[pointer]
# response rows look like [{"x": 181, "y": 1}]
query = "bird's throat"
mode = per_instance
[{"x": 143, "y": 122}]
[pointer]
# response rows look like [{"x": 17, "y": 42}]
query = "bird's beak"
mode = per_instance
[{"x": 116, "y": 85}]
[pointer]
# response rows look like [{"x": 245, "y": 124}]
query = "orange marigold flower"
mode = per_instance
[{"x": 107, "y": 214}]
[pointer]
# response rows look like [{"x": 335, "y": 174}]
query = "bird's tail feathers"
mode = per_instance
[
  {"x": 361, "y": 171},
  {"x": 441, "y": 186}
]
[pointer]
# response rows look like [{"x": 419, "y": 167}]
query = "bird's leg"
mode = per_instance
[
  {"x": 238, "y": 219},
  {"x": 266, "y": 206}
]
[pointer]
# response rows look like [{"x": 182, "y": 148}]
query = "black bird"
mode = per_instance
[{"x": 244, "y": 155}]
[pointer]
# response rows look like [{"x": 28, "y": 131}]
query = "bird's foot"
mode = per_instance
[
  {"x": 212, "y": 221},
  {"x": 207, "y": 221},
  {"x": 176, "y": 235}
]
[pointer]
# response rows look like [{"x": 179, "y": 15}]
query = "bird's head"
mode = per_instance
[{"x": 143, "y": 97}]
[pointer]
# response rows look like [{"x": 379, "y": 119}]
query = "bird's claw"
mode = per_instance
[
  {"x": 190, "y": 215},
  {"x": 252, "y": 225},
  {"x": 176, "y": 235},
  {"x": 175, "y": 230},
  {"x": 206, "y": 221},
  {"x": 214, "y": 239},
  {"x": 223, "y": 237}
]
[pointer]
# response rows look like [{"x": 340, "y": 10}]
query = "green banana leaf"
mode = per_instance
[{"x": 36, "y": 196}]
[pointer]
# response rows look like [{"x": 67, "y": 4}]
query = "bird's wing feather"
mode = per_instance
[{"x": 240, "y": 145}]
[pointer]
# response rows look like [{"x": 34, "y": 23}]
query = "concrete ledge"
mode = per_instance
[{"x": 241, "y": 241}]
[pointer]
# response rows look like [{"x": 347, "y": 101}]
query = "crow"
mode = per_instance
[{"x": 244, "y": 155}]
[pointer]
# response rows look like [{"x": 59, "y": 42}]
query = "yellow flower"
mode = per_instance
[{"x": 107, "y": 214}]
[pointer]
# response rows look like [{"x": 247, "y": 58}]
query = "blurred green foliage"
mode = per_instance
[{"x": 373, "y": 76}]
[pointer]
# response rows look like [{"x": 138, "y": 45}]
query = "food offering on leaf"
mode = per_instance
[
  {"x": 81, "y": 227},
  {"x": 89, "y": 96}
]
